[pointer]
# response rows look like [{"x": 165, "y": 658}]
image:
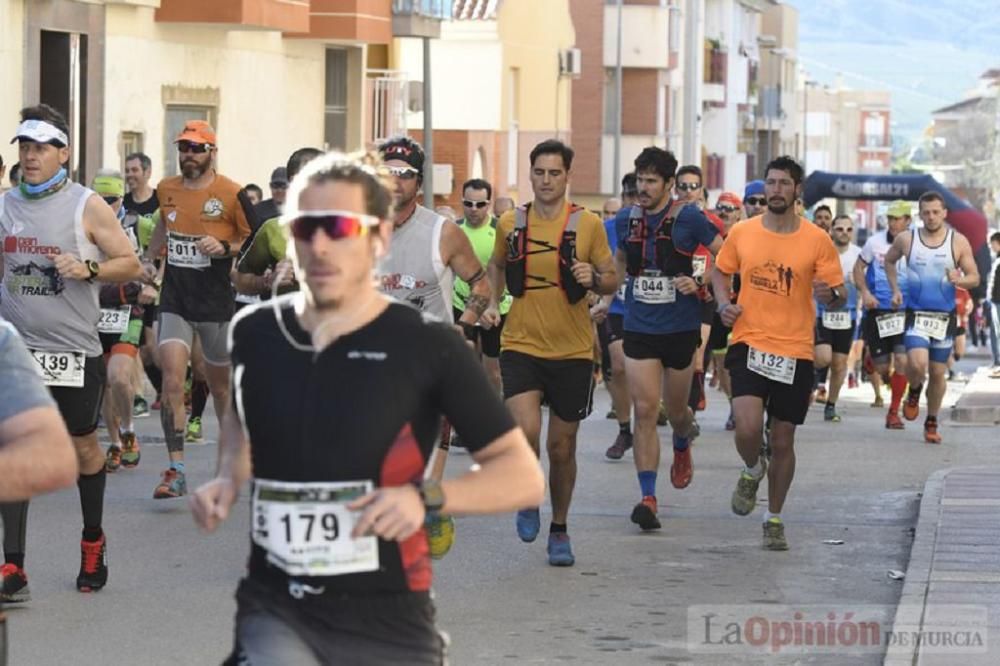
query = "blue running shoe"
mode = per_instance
[
  {"x": 528, "y": 523},
  {"x": 560, "y": 552}
]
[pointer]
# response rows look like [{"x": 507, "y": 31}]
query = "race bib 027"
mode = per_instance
[
  {"x": 890, "y": 325},
  {"x": 306, "y": 527}
]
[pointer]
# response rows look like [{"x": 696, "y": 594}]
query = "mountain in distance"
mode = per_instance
[{"x": 927, "y": 54}]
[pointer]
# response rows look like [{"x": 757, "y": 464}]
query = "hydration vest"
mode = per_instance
[
  {"x": 668, "y": 260},
  {"x": 517, "y": 256}
]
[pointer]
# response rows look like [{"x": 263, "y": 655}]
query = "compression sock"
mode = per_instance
[
  {"x": 91, "y": 488},
  {"x": 647, "y": 484},
  {"x": 625, "y": 428},
  {"x": 15, "y": 523},
  {"x": 681, "y": 443},
  {"x": 199, "y": 397},
  {"x": 557, "y": 528},
  {"x": 897, "y": 384}
]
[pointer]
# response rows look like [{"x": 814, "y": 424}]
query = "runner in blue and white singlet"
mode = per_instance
[{"x": 938, "y": 259}]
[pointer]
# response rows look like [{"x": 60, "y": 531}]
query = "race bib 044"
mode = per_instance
[
  {"x": 773, "y": 366},
  {"x": 655, "y": 290},
  {"x": 306, "y": 527}
]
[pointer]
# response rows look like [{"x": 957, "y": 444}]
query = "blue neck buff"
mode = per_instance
[{"x": 48, "y": 187}]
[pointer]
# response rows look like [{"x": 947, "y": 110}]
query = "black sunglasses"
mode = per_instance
[
  {"x": 688, "y": 187},
  {"x": 192, "y": 147},
  {"x": 755, "y": 201},
  {"x": 278, "y": 185},
  {"x": 474, "y": 204},
  {"x": 727, "y": 209},
  {"x": 110, "y": 200}
]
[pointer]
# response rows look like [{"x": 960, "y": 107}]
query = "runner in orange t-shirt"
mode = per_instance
[{"x": 783, "y": 262}]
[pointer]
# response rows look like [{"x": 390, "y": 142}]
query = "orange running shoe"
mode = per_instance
[
  {"x": 644, "y": 514},
  {"x": 681, "y": 470},
  {"x": 911, "y": 408},
  {"x": 893, "y": 422},
  {"x": 931, "y": 435}
]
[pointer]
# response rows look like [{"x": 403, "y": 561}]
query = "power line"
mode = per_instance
[{"x": 878, "y": 82}]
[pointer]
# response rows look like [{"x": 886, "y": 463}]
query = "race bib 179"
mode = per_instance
[{"x": 306, "y": 527}]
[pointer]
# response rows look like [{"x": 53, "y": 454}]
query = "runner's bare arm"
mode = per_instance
[
  {"x": 497, "y": 277},
  {"x": 36, "y": 454},
  {"x": 509, "y": 478},
  {"x": 968, "y": 277},
  {"x": 457, "y": 253},
  {"x": 858, "y": 273},
  {"x": 899, "y": 249},
  {"x": 605, "y": 278},
  {"x": 210, "y": 504},
  {"x": 716, "y": 245},
  {"x": 103, "y": 228}
]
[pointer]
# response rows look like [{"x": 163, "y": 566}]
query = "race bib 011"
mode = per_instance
[
  {"x": 773, "y": 366},
  {"x": 306, "y": 527},
  {"x": 932, "y": 324},
  {"x": 183, "y": 252},
  {"x": 890, "y": 325},
  {"x": 114, "y": 320},
  {"x": 654, "y": 290},
  {"x": 837, "y": 321},
  {"x": 60, "y": 368}
]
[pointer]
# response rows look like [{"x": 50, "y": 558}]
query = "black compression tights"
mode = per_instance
[{"x": 15, "y": 523}]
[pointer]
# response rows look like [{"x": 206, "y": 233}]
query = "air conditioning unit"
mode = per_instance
[{"x": 570, "y": 63}]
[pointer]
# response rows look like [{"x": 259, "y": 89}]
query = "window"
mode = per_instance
[
  {"x": 128, "y": 143},
  {"x": 335, "y": 117},
  {"x": 176, "y": 116}
]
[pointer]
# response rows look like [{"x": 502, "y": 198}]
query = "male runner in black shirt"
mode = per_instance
[{"x": 340, "y": 569}]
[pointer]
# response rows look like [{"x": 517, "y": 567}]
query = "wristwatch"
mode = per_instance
[
  {"x": 226, "y": 248},
  {"x": 94, "y": 269},
  {"x": 431, "y": 495},
  {"x": 836, "y": 295}
]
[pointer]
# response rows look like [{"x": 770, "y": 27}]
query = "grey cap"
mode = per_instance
[{"x": 279, "y": 175}]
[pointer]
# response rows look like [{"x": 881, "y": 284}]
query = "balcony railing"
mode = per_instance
[
  {"x": 387, "y": 104},
  {"x": 874, "y": 141},
  {"x": 432, "y": 9}
]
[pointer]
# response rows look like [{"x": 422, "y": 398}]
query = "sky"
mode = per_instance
[{"x": 927, "y": 54}]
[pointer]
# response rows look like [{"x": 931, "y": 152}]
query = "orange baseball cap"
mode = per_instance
[
  {"x": 197, "y": 131},
  {"x": 730, "y": 199}
]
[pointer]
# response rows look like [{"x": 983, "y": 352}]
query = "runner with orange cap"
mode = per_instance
[{"x": 201, "y": 224}]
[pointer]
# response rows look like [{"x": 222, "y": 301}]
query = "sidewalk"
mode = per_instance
[
  {"x": 955, "y": 560},
  {"x": 980, "y": 402}
]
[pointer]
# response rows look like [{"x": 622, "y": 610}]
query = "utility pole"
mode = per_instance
[
  {"x": 616, "y": 166},
  {"x": 428, "y": 184},
  {"x": 693, "y": 78}
]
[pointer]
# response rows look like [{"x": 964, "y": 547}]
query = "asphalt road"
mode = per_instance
[{"x": 170, "y": 596}]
